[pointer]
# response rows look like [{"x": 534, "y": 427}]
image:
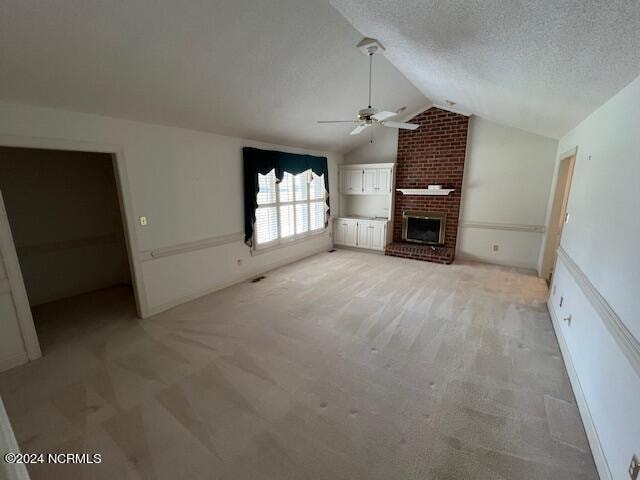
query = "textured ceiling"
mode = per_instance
[
  {"x": 265, "y": 70},
  {"x": 542, "y": 66}
]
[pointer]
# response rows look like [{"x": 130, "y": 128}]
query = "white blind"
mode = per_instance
[
  {"x": 266, "y": 224},
  {"x": 316, "y": 216},
  {"x": 285, "y": 188},
  {"x": 286, "y": 221},
  {"x": 290, "y": 209},
  {"x": 266, "y": 227},
  {"x": 267, "y": 191},
  {"x": 316, "y": 188}
]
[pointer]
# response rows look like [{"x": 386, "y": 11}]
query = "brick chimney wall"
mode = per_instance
[{"x": 432, "y": 154}]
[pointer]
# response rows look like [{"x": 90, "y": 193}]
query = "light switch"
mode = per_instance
[{"x": 143, "y": 221}]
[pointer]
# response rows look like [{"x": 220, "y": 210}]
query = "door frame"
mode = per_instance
[
  {"x": 557, "y": 216},
  {"x": 12, "y": 264}
]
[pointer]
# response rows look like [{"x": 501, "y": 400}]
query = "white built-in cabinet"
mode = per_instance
[
  {"x": 369, "y": 234},
  {"x": 371, "y": 180},
  {"x": 346, "y": 232},
  {"x": 351, "y": 181},
  {"x": 366, "y": 206}
]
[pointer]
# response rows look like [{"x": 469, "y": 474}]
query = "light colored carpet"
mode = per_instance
[{"x": 345, "y": 365}]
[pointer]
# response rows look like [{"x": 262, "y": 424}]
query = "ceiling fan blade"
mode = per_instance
[
  {"x": 338, "y": 121},
  {"x": 407, "y": 126},
  {"x": 358, "y": 129},
  {"x": 380, "y": 116}
]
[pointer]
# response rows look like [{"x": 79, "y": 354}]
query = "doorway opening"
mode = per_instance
[
  {"x": 64, "y": 209},
  {"x": 558, "y": 215}
]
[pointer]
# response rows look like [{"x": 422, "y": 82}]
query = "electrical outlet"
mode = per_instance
[
  {"x": 496, "y": 248},
  {"x": 634, "y": 468},
  {"x": 143, "y": 221}
]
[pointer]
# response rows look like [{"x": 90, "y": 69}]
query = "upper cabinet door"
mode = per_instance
[
  {"x": 355, "y": 182},
  {"x": 384, "y": 180},
  {"x": 370, "y": 178},
  {"x": 345, "y": 180}
]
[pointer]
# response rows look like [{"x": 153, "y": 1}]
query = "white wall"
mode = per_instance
[
  {"x": 384, "y": 148},
  {"x": 602, "y": 239},
  {"x": 65, "y": 220},
  {"x": 188, "y": 184},
  {"x": 507, "y": 180}
]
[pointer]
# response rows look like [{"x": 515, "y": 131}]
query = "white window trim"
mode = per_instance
[{"x": 296, "y": 237}]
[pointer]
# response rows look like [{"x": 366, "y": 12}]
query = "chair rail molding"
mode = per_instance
[
  {"x": 585, "y": 413},
  {"x": 513, "y": 227},
  {"x": 155, "y": 253},
  {"x": 619, "y": 331}
]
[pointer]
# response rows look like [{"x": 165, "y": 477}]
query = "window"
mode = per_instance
[{"x": 293, "y": 208}]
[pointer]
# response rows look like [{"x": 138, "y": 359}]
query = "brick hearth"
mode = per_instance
[{"x": 431, "y": 154}]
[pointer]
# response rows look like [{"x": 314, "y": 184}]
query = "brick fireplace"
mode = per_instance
[{"x": 433, "y": 154}]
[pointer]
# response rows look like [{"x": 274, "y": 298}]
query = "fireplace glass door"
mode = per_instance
[{"x": 423, "y": 227}]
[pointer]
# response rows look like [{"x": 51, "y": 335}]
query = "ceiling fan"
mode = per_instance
[{"x": 370, "y": 116}]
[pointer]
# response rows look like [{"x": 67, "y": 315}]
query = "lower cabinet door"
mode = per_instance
[
  {"x": 364, "y": 234},
  {"x": 377, "y": 236},
  {"x": 351, "y": 234},
  {"x": 340, "y": 232}
]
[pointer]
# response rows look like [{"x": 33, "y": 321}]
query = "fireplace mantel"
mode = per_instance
[{"x": 425, "y": 191}]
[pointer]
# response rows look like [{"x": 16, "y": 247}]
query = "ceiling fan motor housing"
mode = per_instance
[
  {"x": 370, "y": 46},
  {"x": 367, "y": 113}
]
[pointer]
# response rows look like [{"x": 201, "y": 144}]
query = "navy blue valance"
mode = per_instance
[{"x": 257, "y": 161}]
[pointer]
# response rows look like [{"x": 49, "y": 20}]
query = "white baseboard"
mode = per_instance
[
  {"x": 472, "y": 258},
  {"x": 154, "y": 310},
  {"x": 589, "y": 426},
  {"x": 12, "y": 361},
  {"x": 359, "y": 249}
]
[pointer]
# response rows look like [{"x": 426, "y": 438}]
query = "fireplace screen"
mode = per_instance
[{"x": 423, "y": 227}]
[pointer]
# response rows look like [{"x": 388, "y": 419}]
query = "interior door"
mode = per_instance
[
  {"x": 18, "y": 340},
  {"x": 384, "y": 180},
  {"x": 558, "y": 215},
  {"x": 370, "y": 179}
]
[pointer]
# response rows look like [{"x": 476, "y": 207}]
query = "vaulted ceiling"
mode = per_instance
[
  {"x": 541, "y": 65},
  {"x": 264, "y": 70},
  {"x": 267, "y": 70}
]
